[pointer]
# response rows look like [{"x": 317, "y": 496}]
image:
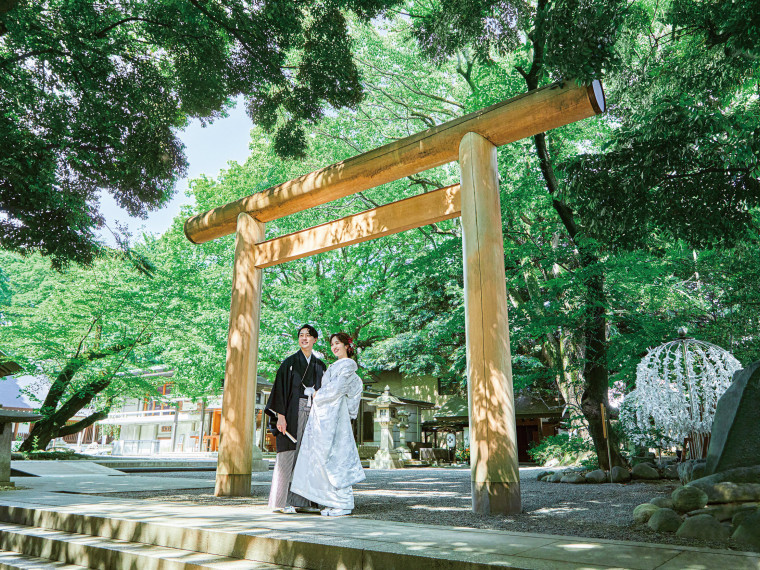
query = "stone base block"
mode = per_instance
[
  {"x": 238, "y": 485},
  {"x": 404, "y": 453},
  {"x": 496, "y": 497}
]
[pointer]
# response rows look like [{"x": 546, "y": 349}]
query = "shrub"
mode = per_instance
[
  {"x": 462, "y": 455},
  {"x": 561, "y": 447},
  {"x": 58, "y": 454}
]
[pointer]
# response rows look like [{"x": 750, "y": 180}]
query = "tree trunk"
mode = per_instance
[
  {"x": 595, "y": 367},
  {"x": 40, "y": 436},
  {"x": 595, "y": 377},
  {"x": 54, "y": 425}
]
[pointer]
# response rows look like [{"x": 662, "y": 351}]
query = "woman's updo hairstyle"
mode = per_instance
[{"x": 347, "y": 340}]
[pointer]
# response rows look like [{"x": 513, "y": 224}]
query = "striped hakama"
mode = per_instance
[{"x": 280, "y": 495}]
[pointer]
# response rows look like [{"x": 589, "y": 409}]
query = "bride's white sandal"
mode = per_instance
[{"x": 334, "y": 512}]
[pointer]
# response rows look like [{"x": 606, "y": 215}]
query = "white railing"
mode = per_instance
[
  {"x": 141, "y": 414},
  {"x": 136, "y": 447},
  {"x": 147, "y": 416}
]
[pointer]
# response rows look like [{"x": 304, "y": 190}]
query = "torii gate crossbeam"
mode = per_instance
[{"x": 473, "y": 140}]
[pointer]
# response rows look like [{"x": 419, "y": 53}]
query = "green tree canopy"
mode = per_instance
[{"x": 93, "y": 93}]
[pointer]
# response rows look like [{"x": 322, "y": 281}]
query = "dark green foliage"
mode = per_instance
[
  {"x": 558, "y": 447},
  {"x": 576, "y": 37},
  {"x": 695, "y": 160},
  {"x": 485, "y": 25},
  {"x": 93, "y": 93},
  {"x": 733, "y": 26}
]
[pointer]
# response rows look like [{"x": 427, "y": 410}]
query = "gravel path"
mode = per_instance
[{"x": 441, "y": 496}]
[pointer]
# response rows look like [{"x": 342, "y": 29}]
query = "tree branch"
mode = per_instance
[{"x": 84, "y": 423}]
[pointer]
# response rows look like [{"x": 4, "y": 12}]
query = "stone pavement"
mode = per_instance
[
  {"x": 61, "y": 468},
  {"x": 307, "y": 541}
]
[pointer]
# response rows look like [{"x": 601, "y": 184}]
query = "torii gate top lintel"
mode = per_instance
[{"x": 522, "y": 116}]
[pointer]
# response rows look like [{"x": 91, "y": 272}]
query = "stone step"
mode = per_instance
[
  {"x": 263, "y": 546},
  {"x": 108, "y": 553},
  {"x": 274, "y": 548},
  {"x": 15, "y": 561}
]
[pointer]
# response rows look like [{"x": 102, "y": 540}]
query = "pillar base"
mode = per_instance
[
  {"x": 496, "y": 498},
  {"x": 233, "y": 485}
]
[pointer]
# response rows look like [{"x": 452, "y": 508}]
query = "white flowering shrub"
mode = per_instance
[{"x": 678, "y": 385}]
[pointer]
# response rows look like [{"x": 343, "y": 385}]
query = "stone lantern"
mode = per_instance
[
  {"x": 403, "y": 424},
  {"x": 7, "y": 419},
  {"x": 386, "y": 414}
]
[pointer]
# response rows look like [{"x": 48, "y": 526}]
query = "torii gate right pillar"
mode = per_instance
[{"x": 493, "y": 441}]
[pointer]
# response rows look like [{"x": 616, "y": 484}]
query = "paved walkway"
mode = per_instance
[{"x": 436, "y": 546}]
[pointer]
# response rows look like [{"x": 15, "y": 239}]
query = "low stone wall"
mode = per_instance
[
  {"x": 724, "y": 506},
  {"x": 642, "y": 471}
]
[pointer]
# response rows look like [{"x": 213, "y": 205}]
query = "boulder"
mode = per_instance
[
  {"x": 688, "y": 498},
  {"x": 541, "y": 474},
  {"x": 555, "y": 477},
  {"x": 743, "y": 514},
  {"x": 620, "y": 474},
  {"x": 723, "y": 511},
  {"x": 670, "y": 472},
  {"x": 728, "y": 492},
  {"x": 686, "y": 469},
  {"x": 573, "y": 478},
  {"x": 644, "y": 512},
  {"x": 704, "y": 527},
  {"x": 597, "y": 476},
  {"x": 649, "y": 460},
  {"x": 735, "y": 429},
  {"x": 748, "y": 532},
  {"x": 738, "y": 475},
  {"x": 644, "y": 471},
  {"x": 662, "y": 502},
  {"x": 665, "y": 520}
]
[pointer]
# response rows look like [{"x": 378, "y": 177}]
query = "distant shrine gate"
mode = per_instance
[{"x": 472, "y": 140}]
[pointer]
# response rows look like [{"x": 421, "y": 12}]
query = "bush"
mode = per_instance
[
  {"x": 58, "y": 454},
  {"x": 591, "y": 463},
  {"x": 462, "y": 455},
  {"x": 562, "y": 447}
]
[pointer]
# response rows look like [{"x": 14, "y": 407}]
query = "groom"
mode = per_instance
[{"x": 299, "y": 376}]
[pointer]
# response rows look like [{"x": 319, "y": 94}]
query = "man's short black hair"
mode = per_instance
[{"x": 312, "y": 331}]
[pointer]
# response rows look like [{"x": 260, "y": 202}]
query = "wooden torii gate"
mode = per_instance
[{"x": 472, "y": 140}]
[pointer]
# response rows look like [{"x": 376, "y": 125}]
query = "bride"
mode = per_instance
[{"x": 328, "y": 463}]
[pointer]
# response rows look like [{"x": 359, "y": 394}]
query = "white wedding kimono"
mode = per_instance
[{"x": 328, "y": 463}]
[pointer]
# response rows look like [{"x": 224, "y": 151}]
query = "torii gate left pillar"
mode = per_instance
[{"x": 238, "y": 453}]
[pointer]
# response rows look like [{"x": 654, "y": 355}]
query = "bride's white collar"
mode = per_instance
[{"x": 348, "y": 364}]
